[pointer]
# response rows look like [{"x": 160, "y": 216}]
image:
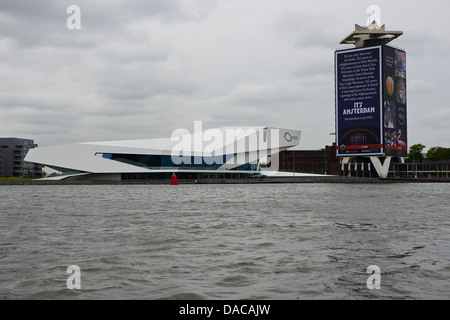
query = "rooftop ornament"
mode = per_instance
[
  {"x": 370, "y": 35},
  {"x": 373, "y": 34}
]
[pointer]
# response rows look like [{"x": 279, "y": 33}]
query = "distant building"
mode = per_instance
[
  {"x": 12, "y": 155},
  {"x": 422, "y": 169},
  {"x": 237, "y": 152},
  {"x": 322, "y": 161}
]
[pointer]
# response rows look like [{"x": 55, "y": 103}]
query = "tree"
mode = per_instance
[
  {"x": 438, "y": 153},
  {"x": 415, "y": 153}
]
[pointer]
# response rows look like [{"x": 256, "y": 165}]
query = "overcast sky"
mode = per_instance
[{"x": 141, "y": 69}]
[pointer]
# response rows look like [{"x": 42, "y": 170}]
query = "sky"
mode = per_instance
[{"x": 144, "y": 68}]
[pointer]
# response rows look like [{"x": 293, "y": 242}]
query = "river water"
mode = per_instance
[{"x": 249, "y": 241}]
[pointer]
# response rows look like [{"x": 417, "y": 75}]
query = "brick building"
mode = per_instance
[{"x": 322, "y": 161}]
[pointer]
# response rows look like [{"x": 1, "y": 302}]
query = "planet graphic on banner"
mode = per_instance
[{"x": 390, "y": 86}]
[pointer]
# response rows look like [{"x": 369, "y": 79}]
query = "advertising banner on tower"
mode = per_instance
[
  {"x": 371, "y": 104},
  {"x": 394, "y": 119},
  {"x": 359, "y": 102}
]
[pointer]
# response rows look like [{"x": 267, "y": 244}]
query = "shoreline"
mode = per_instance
[{"x": 273, "y": 180}]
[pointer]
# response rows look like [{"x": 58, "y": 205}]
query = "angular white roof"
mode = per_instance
[{"x": 234, "y": 141}]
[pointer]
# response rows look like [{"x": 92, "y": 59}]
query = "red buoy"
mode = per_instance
[{"x": 174, "y": 180}]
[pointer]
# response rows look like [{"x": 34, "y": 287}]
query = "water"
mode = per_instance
[{"x": 264, "y": 241}]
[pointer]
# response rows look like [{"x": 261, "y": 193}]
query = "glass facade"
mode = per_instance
[
  {"x": 198, "y": 164},
  {"x": 190, "y": 175},
  {"x": 166, "y": 162}
]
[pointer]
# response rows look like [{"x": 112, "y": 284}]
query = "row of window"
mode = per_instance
[
  {"x": 23, "y": 142},
  {"x": 285, "y": 164},
  {"x": 160, "y": 161},
  {"x": 303, "y": 158},
  {"x": 189, "y": 175}
]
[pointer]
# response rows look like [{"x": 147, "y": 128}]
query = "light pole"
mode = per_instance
[
  {"x": 331, "y": 134},
  {"x": 293, "y": 163}
]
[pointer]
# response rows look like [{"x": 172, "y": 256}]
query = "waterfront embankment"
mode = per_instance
[{"x": 324, "y": 179}]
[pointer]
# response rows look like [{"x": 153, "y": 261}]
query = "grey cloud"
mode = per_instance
[
  {"x": 34, "y": 23},
  {"x": 32, "y": 10},
  {"x": 141, "y": 69},
  {"x": 305, "y": 29}
]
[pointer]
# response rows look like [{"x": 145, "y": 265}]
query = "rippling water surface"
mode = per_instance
[{"x": 263, "y": 241}]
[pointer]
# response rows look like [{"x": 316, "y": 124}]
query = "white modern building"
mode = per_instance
[{"x": 232, "y": 152}]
